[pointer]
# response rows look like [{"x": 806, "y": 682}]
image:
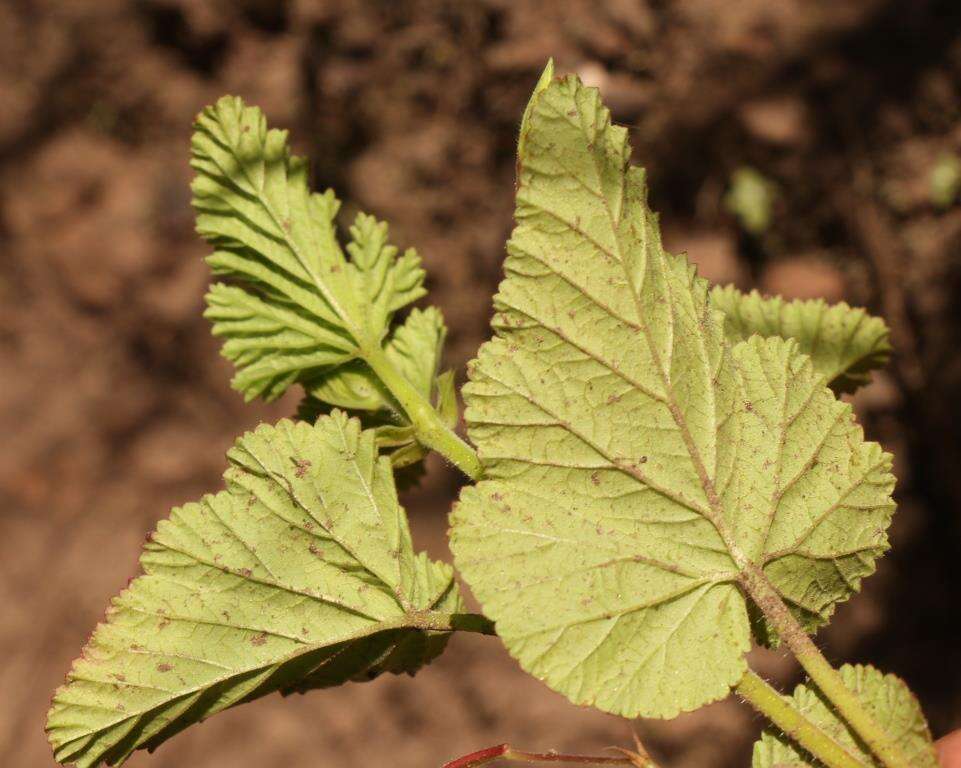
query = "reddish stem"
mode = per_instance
[{"x": 506, "y": 752}]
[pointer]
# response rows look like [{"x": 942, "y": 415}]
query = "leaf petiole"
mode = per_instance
[
  {"x": 782, "y": 713},
  {"x": 455, "y": 622},
  {"x": 824, "y": 676},
  {"x": 431, "y": 431}
]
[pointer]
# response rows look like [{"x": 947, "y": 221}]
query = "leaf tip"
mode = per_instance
[{"x": 542, "y": 82}]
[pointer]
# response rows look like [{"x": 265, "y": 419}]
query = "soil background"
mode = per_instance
[{"x": 114, "y": 403}]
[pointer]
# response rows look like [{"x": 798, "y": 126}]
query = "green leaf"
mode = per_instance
[
  {"x": 845, "y": 343},
  {"x": 542, "y": 82},
  {"x": 300, "y": 575},
  {"x": 636, "y": 464},
  {"x": 303, "y": 309},
  {"x": 886, "y": 698}
]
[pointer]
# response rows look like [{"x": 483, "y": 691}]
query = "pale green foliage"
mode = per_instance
[
  {"x": 845, "y": 344},
  {"x": 751, "y": 199},
  {"x": 305, "y": 311},
  {"x": 300, "y": 575},
  {"x": 652, "y": 450},
  {"x": 885, "y": 697},
  {"x": 636, "y": 462}
]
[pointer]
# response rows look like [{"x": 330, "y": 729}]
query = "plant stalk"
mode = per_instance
[
  {"x": 824, "y": 676},
  {"x": 507, "y": 752},
  {"x": 431, "y": 431},
  {"x": 780, "y": 711}
]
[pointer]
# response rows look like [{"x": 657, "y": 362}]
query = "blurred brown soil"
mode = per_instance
[{"x": 115, "y": 404}]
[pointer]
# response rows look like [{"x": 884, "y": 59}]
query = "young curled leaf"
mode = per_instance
[
  {"x": 300, "y": 575},
  {"x": 637, "y": 465},
  {"x": 886, "y": 698}
]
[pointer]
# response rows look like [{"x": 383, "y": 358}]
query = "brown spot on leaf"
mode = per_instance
[
  {"x": 259, "y": 639},
  {"x": 302, "y": 465},
  {"x": 595, "y": 478},
  {"x": 164, "y": 667}
]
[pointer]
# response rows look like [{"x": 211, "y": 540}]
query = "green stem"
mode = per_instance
[
  {"x": 780, "y": 711},
  {"x": 430, "y": 430},
  {"x": 824, "y": 676}
]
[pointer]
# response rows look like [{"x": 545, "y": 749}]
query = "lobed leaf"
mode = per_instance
[
  {"x": 300, "y": 575},
  {"x": 845, "y": 343},
  {"x": 636, "y": 463},
  {"x": 303, "y": 310},
  {"x": 885, "y": 697}
]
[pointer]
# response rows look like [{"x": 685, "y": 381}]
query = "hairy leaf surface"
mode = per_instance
[
  {"x": 845, "y": 343},
  {"x": 303, "y": 310},
  {"x": 300, "y": 575},
  {"x": 885, "y": 697},
  {"x": 636, "y": 464}
]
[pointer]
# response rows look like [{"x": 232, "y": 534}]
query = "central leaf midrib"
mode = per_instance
[
  {"x": 368, "y": 492},
  {"x": 716, "y": 514},
  {"x": 287, "y": 239}
]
